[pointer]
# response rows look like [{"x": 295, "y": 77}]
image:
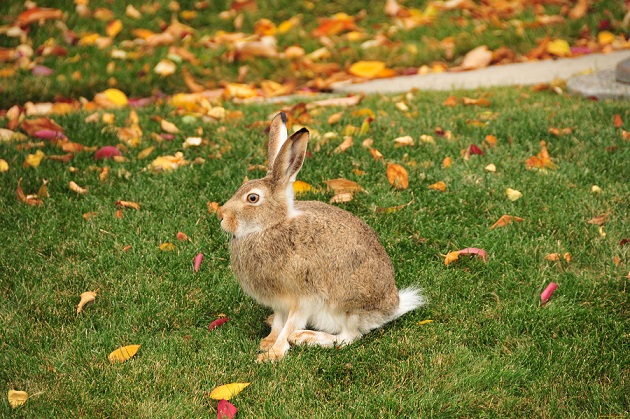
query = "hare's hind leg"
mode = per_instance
[{"x": 327, "y": 340}]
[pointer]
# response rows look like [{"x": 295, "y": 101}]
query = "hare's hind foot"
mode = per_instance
[{"x": 327, "y": 340}]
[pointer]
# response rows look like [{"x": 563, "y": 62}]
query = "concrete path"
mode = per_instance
[{"x": 526, "y": 73}]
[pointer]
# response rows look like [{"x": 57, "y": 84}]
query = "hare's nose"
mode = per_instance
[{"x": 220, "y": 213}]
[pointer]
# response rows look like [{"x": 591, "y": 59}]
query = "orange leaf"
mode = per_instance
[
  {"x": 367, "y": 69},
  {"x": 438, "y": 186},
  {"x": 446, "y": 163},
  {"x": 37, "y": 14},
  {"x": 542, "y": 160},
  {"x": 127, "y": 204},
  {"x": 397, "y": 176},
  {"x": 618, "y": 121},
  {"x": 505, "y": 220}
]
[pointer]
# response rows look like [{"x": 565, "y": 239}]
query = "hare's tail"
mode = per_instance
[{"x": 410, "y": 299}]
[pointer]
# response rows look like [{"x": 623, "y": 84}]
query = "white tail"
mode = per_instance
[{"x": 410, "y": 299}]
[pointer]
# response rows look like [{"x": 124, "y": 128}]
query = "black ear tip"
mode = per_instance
[
  {"x": 303, "y": 130},
  {"x": 283, "y": 117}
]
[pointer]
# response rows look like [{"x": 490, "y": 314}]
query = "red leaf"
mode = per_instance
[
  {"x": 473, "y": 149},
  {"x": 475, "y": 251},
  {"x": 618, "y": 121},
  {"x": 197, "y": 262},
  {"x": 49, "y": 134},
  {"x": 218, "y": 322},
  {"x": 106, "y": 152},
  {"x": 226, "y": 410},
  {"x": 546, "y": 294}
]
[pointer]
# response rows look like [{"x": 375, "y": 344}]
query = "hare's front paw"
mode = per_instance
[
  {"x": 267, "y": 343},
  {"x": 269, "y": 356}
]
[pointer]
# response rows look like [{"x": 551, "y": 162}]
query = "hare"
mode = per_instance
[{"x": 312, "y": 263}]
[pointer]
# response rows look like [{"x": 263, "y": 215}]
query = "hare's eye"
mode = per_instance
[{"x": 252, "y": 198}]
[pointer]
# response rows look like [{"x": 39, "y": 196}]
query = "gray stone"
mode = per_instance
[
  {"x": 601, "y": 84},
  {"x": 623, "y": 71}
]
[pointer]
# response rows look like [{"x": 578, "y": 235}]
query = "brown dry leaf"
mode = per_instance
[
  {"x": 213, "y": 207},
  {"x": 438, "y": 186},
  {"x": 37, "y": 14},
  {"x": 124, "y": 353},
  {"x": 32, "y": 200},
  {"x": 579, "y": 10},
  {"x": 599, "y": 220},
  {"x": 451, "y": 101},
  {"x": 542, "y": 160},
  {"x": 89, "y": 215},
  {"x": 334, "y": 118},
  {"x": 479, "y": 57},
  {"x": 340, "y": 198},
  {"x": 335, "y": 25},
  {"x": 43, "y": 190},
  {"x": 397, "y": 176},
  {"x": 617, "y": 121},
  {"x": 377, "y": 155},
  {"x": 553, "y": 257},
  {"x": 342, "y": 185},
  {"x": 168, "y": 126},
  {"x": 76, "y": 188},
  {"x": 505, "y": 220},
  {"x": 451, "y": 257},
  {"x": 482, "y": 101},
  {"x": 406, "y": 140},
  {"x": 145, "y": 153},
  {"x": 346, "y": 144},
  {"x": 127, "y": 204},
  {"x": 335, "y": 101},
  {"x": 86, "y": 297},
  {"x": 17, "y": 398}
]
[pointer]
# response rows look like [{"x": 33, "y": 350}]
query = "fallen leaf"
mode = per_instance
[
  {"x": 37, "y": 14},
  {"x": 4, "y": 166},
  {"x": 168, "y": 126},
  {"x": 213, "y": 207},
  {"x": 407, "y": 140},
  {"x": 473, "y": 149},
  {"x": 605, "y": 38},
  {"x": 76, "y": 188},
  {"x": 341, "y": 198},
  {"x": 113, "y": 28},
  {"x": 447, "y": 162},
  {"x": 17, "y": 398},
  {"x": 451, "y": 101},
  {"x": 164, "y": 163},
  {"x": 542, "y": 160},
  {"x": 32, "y": 200},
  {"x": 423, "y": 322},
  {"x": 453, "y": 256},
  {"x": 226, "y": 410},
  {"x": 367, "y": 69},
  {"x": 599, "y": 220},
  {"x": 167, "y": 247},
  {"x": 335, "y": 101},
  {"x": 505, "y": 220},
  {"x": 438, "y": 186},
  {"x": 482, "y": 101},
  {"x": 397, "y": 176},
  {"x": 227, "y": 391},
  {"x": 548, "y": 292},
  {"x": 111, "y": 98},
  {"x": 346, "y": 144},
  {"x": 513, "y": 194},
  {"x": 618, "y": 121},
  {"x": 479, "y": 57},
  {"x": 491, "y": 140},
  {"x": 342, "y": 185},
  {"x": 216, "y": 323},
  {"x": 123, "y": 353},
  {"x": 182, "y": 236},
  {"x": 34, "y": 160},
  {"x": 86, "y": 297},
  {"x": 491, "y": 168},
  {"x": 559, "y": 48},
  {"x": 127, "y": 204},
  {"x": 197, "y": 262},
  {"x": 301, "y": 187},
  {"x": 553, "y": 257}
]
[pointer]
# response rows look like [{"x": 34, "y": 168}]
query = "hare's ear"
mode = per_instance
[
  {"x": 290, "y": 158},
  {"x": 277, "y": 137}
]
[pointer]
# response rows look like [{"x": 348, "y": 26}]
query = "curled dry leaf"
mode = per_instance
[
  {"x": 32, "y": 200},
  {"x": 438, "y": 186},
  {"x": 123, "y": 353},
  {"x": 479, "y": 57},
  {"x": 505, "y": 220},
  {"x": 342, "y": 185},
  {"x": 86, "y": 297},
  {"x": 341, "y": 198},
  {"x": 346, "y": 144},
  {"x": 407, "y": 140},
  {"x": 513, "y": 194},
  {"x": 107, "y": 152},
  {"x": 453, "y": 256},
  {"x": 17, "y": 398},
  {"x": 599, "y": 220},
  {"x": 127, "y": 204},
  {"x": 397, "y": 176},
  {"x": 227, "y": 391},
  {"x": 226, "y": 410},
  {"x": 76, "y": 188},
  {"x": 542, "y": 160}
]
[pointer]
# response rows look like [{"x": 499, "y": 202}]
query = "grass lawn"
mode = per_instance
[{"x": 492, "y": 349}]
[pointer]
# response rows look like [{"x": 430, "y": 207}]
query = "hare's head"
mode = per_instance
[{"x": 262, "y": 203}]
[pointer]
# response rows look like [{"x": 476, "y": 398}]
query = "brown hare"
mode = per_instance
[{"x": 313, "y": 264}]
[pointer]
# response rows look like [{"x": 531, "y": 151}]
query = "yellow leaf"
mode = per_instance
[
  {"x": 438, "y": 186},
  {"x": 33, "y": 160},
  {"x": 366, "y": 69},
  {"x": 605, "y": 38},
  {"x": 167, "y": 247},
  {"x": 89, "y": 39},
  {"x": 425, "y": 322},
  {"x": 145, "y": 153},
  {"x": 142, "y": 33},
  {"x": 301, "y": 187},
  {"x": 86, "y": 297},
  {"x": 559, "y": 47},
  {"x": 123, "y": 353},
  {"x": 397, "y": 176},
  {"x": 17, "y": 398},
  {"x": 491, "y": 168},
  {"x": 169, "y": 127},
  {"x": 451, "y": 257},
  {"x": 111, "y": 98},
  {"x": 113, "y": 28},
  {"x": 4, "y": 166},
  {"x": 227, "y": 391},
  {"x": 505, "y": 220},
  {"x": 163, "y": 163},
  {"x": 513, "y": 194}
]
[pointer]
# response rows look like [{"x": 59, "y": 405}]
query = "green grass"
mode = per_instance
[
  {"x": 87, "y": 69},
  {"x": 492, "y": 350}
]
